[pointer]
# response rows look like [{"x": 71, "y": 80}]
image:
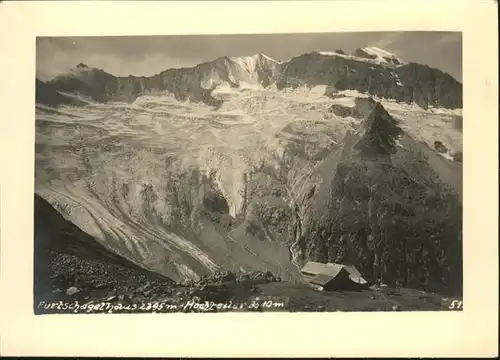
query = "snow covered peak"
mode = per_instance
[
  {"x": 252, "y": 71},
  {"x": 332, "y": 53},
  {"x": 379, "y": 55},
  {"x": 378, "y": 52},
  {"x": 251, "y": 62},
  {"x": 371, "y": 55},
  {"x": 264, "y": 56},
  {"x": 246, "y": 62}
]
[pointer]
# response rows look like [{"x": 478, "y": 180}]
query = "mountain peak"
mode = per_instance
[
  {"x": 376, "y": 53},
  {"x": 381, "y": 132},
  {"x": 264, "y": 56},
  {"x": 383, "y": 77},
  {"x": 255, "y": 58},
  {"x": 252, "y": 64},
  {"x": 82, "y": 66}
]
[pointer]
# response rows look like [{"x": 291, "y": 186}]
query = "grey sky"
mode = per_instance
[{"x": 141, "y": 55}]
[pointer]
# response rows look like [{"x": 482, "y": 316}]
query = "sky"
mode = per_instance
[{"x": 149, "y": 55}]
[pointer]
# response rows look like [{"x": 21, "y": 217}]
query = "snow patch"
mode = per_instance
[
  {"x": 372, "y": 50},
  {"x": 318, "y": 90},
  {"x": 447, "y": 156},
  {"x": 211, "y": 81},
  {"x": 353, "y": 93},
  {"x": 247, "y": 86},
  {"x": 329, "y": 53},
  {"x": 348, "y": 101},
  {"x": 224, "y": 88},
  {"x": 383, "y": 55},
  {"x": 270, "y": 59},
  {"x": 456, "y": 112},
  {"x": 379, "y": 53},
  {"x": 186, "y": 272},
  {"x": 157, "y": 99}
]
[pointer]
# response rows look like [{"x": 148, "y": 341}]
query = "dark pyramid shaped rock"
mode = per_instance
[
  {"x": 381, "y": 133},
  {"x": 82, "y": 66}
]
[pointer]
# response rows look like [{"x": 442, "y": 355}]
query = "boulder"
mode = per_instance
[
  {"x": 72, "y": 290},
  {"x": 440, "y": 147},
  {"x": 341, "y": 110}
]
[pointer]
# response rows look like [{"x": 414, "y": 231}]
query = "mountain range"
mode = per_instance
[
  {"x": 368, "y": 70},
  {"x": 247, "y": 163}
]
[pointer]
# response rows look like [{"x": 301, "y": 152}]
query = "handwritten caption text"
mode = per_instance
[{"x": 256, "y": 304}]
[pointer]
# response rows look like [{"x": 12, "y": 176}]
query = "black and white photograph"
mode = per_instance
[
  {"x": 236, "y": 173},
  {"x": 209, "y": 179}
]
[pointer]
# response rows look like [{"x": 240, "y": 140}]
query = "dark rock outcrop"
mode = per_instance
[
  {"x": 46, "y": 94},
  {"x": 343, "y": 111},
  {"x": 429, "y": 87},
  {"x": 439, "y": 146}
]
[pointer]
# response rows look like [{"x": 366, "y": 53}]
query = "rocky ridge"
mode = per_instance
[{"x": 389, "y": 77}]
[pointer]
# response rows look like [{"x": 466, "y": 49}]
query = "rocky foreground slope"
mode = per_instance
[
  {"x": 74, "y": 274},
  {"x": 248, "y": 164}
]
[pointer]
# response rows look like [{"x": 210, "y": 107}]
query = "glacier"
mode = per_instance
[{"x": 135, "y": 175}]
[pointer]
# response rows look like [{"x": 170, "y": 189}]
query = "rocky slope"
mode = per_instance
[
  {"x": 388, "y": 210},
  {"x": 194, "y": 84},
  {"x": 410, "y": 83},
  {"x": 46, "y": 94},
  {"x": 74, "y": 274},
  {"x": 66, "y": 257},
  {"x": 248, "y": 164}
]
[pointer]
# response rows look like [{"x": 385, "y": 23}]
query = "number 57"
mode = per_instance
[{"x": 456, "y": 304}]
